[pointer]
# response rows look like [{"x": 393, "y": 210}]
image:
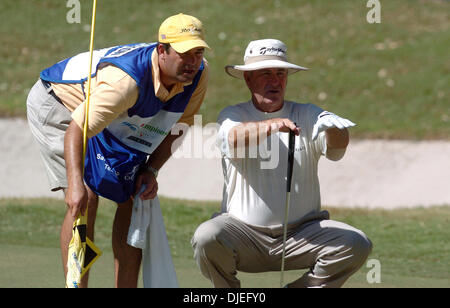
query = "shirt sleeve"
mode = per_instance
[
  {"x": 113, "y": 93},
  {"x": 228, "y": 118},
  {"x": 197, "y": 98},
  {"x": 331, "y": 154}
]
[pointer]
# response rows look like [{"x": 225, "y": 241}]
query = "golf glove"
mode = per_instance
[{"x": 326, "y": 120}]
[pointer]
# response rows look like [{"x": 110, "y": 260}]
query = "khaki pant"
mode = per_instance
[
  {"x": 331, "y": 250},
  {"x": 48, "y": 120}
]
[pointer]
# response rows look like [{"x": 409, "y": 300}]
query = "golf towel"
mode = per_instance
[{"x": 147, "y": 232}]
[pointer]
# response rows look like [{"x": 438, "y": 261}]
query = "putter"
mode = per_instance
[{"x": 288, "y": 197}]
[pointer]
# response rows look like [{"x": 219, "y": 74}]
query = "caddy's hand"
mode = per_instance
[
  {"x": 76, "y": 198},
  {"x": 327, "y": 120},
  {"x": 148, "y": 178}
]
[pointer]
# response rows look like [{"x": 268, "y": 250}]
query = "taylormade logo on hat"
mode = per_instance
[
  {"x": 265, "y": 50},
  {"x": 182, "y": 32},
  {"x": 276, "y": 50},
  {"x": 260, "y": 54}
]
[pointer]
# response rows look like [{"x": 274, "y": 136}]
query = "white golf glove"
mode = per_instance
[{"x": 326, "y": 120}]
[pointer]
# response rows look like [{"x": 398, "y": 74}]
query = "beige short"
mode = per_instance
[
  {"x": 331, "y": 250},
  {"x": 48, "y": 120}
]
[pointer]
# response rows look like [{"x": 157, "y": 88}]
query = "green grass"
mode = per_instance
[
  {"x": 390, "y": 78},
  {"x": 411, "y": 244}
]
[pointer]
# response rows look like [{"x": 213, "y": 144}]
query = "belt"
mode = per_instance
[{"x": 50, "y": 91}]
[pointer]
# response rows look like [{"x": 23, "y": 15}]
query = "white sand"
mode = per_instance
[{"x": 373, "y": 173}]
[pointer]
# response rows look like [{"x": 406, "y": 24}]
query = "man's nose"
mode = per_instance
[
  {"x": 189, "y": 58},
  {"x": 275, "y": 79}
]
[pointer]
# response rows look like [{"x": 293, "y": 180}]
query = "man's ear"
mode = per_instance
[
  {"x": 160, "y": 49},
  {"x": 247, "y": 76}
]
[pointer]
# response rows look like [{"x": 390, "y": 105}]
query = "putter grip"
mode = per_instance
[{"x": 290, "y": 160}]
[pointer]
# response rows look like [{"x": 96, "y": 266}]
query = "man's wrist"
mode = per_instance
[{"x": 152, "y": 170}]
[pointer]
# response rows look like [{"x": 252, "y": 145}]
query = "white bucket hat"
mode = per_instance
[{"x": 260, "y": 54}]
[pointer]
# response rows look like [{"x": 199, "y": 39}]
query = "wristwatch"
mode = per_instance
[{"x": 153, "y": 170}]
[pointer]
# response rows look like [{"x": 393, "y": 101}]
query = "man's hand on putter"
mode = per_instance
[
  {"x": 326, "y": 120},
  {"x": 283, "y": 125}
]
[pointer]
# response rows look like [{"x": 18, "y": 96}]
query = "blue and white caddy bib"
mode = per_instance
[{"x": 113, "y": 156}]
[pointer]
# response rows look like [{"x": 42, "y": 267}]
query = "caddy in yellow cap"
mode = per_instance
[{"x": 139, "y": 92}]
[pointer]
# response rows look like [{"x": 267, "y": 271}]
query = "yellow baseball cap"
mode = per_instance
[{"x": 182, "y": 32}]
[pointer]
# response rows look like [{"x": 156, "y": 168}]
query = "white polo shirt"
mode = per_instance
[{"x": 255, "y": 183}]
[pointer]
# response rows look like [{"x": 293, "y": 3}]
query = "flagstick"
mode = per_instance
[
  {"x": 91, "y": 51},
  {"x": 86, "y": 112},
  {"x": 82, "y": 219}
]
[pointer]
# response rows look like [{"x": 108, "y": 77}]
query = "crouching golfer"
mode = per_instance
[
  {"x": 139, "y": 92},
  {"x": 247, "y": 234}
]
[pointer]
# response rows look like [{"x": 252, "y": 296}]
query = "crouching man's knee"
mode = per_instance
[
  {"x": 360, "y": 246},
  {"x": 206, "y": 242},
  {"x": 210, "y": 253},
  {"x": 214, "y": 253},
  {"x": 204, "y": 238}
]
